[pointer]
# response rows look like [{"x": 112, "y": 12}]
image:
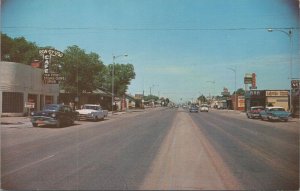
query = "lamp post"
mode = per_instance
[
  {"x": 289, "y": 33},
  {"x": 213, "y": 82},
  {"x": 234, "y": 70},
  {"x": 113, "y": 80}
]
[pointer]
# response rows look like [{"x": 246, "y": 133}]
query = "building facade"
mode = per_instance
[
  {"x": 22, "y": 89},
  {"x": 265, "y": 98}
]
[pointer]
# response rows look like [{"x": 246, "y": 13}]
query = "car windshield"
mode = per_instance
[
  {"x": 91, "y": 107},
  {"x": 277, "y": 109},
  {"x": 257, "y": 108},
  {"x": 51, "y": 107},
  {"x": 204, "y": 105}
]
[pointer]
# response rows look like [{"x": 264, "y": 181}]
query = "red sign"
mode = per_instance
[
  {"x": 36, "y": 64},
  {"x": 253, "y": 81}
]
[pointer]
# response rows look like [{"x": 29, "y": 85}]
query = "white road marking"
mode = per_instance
[{"x": 28, "y": 165}]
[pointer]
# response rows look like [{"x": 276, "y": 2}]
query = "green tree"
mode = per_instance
[
  {"x": 240, "y": 91},
  {"x": 202, "y": 98},
  {"x": 151, "y": 97},
  {"x": 123, "y": 74},
  {"x": 81, "y": 70},
  {"x": 18, "y": 50}
]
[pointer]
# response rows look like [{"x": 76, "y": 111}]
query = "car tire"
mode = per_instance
[
  {"x": 34, "y": 124},
  {"x": 96, "y": 119}
]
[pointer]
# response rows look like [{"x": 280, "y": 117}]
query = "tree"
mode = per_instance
[
  {"x": 240, "y": 91},
  {"x": 123, "y": 74},
  {"x": 202, "y": 99},
  {"x": 151, "y": 97},
  {"x": 81, "y": 70},
  {"x": 18, "y": 50}
]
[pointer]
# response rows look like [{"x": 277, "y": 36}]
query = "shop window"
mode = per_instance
[
  {"x": 12, "y": 102},
  {"x": 48, "y": 99}
]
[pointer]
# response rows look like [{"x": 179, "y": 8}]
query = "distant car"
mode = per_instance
[
  {"x": 92, "y": 112},
  {"x": 274, "y": 113},
  {"x": 194, "y": 108},
  {"x": 54, "y": 114},
  {"x": 254, "y": 112},
  {"x": 204, "y": 107}
]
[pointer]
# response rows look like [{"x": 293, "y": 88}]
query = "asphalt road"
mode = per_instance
[
  {"x": 261, "y": 155},
  {"x": 156, "y": 149}
]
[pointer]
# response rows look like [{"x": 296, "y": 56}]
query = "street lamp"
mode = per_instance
[
  {"x": 234, "y": 70},
  {"x": 213, "y": 82},
  {"x": 113, "y": 80},
  {"x": 289, "y": 33}
]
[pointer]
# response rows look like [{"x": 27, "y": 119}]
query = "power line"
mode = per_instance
[{"x": 148, "y": 29}]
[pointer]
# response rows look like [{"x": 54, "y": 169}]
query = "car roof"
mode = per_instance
[{"x": 273, "y": 107}]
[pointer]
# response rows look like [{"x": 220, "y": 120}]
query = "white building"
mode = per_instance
[{"x": 22, "y": 85}]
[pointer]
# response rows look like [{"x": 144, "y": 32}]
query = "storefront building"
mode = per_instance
[
  {"x": 22, "y": 88},
  {"x": 265, "y": 98},
  {"x": 238, "y": 102},
  {"x": 278, "y": 98}
]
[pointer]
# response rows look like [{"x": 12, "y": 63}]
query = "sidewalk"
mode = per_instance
[
  {"x": 26, "y": 120},
  {"x": 14, "y": 120}
]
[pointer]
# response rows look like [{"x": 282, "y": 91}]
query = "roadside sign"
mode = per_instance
[
  {"x": 295, "y": 84},
  {"x": 52, "y": 78},
  {"x": 29, "y": 105}
]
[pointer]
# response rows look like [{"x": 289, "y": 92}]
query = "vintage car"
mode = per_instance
[
  {"x": 92, "y": 112},
  {"x": 54, "y": 114},
  {"x": 274, "y": 113},
  {"x": 194, "y": 108},
  {"x": 254, "y": 112},
  {"x": 204, "y": 107}
]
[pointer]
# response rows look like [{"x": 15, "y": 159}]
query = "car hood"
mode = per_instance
[
  {"x": 86, "y": 111},
  {"x": 280, "y": 113},
  {"x": 43, "y": 113}
]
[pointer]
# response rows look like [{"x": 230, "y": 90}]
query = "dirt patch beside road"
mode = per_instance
[{"x": 186, "y": 161}]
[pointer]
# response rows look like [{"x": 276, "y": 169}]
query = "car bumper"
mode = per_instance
[
  {"x": 85, "y": 117},
  {"x": 278, "y": 118},
  {"x": 254, "y": 115},
  {"x": 44, "y": 120}
]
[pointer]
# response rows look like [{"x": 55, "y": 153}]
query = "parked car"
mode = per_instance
[
  {"x": 254, "y": 112},
  {"x": 204, "y": 107},
  {"x": 92, "y": 112},
  {"x": 274, "y": 113},
  {"x": 194, "y": 108},
  {"x": 54, "y": 114}
]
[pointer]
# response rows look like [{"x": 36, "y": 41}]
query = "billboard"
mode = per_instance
[
  {"x": 253, "y": 81},
  {"x": 295, "y": 84},
  {"x": 50, "y": 76},
  {"x": 248, "y": 78}
]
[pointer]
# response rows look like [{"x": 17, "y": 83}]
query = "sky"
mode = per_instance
[{"x": 180, "y": 49}]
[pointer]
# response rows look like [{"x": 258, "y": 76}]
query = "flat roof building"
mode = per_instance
[{"x": 22, "y": 87}]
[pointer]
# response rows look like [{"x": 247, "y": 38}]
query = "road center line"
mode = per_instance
[{"x": 28, "y": 165}]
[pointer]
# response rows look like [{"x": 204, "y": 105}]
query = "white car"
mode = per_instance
[
  {"x": 92, "y": 112},
  {"x": 204, "y": 107}
]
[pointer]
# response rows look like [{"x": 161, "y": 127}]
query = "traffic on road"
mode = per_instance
[{"x": 157, "y": 148}]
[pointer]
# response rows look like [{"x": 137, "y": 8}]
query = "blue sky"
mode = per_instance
[{"x": 178, "y": 47}]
